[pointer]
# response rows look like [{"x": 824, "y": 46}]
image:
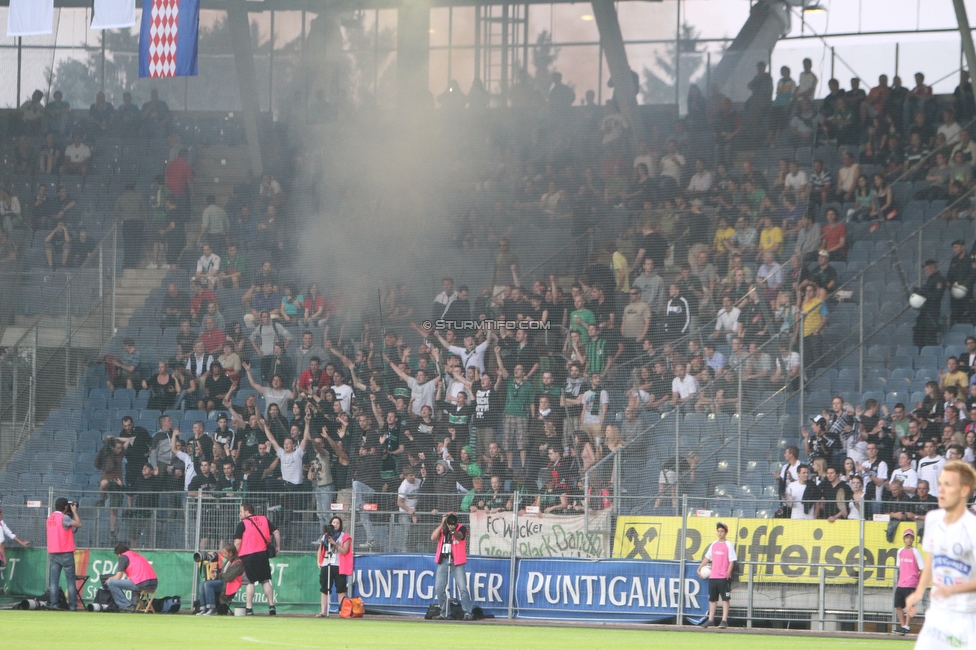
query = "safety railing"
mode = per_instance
[
  {"x": 841, "y": 572},
  {"x": 70, "y": 326}
]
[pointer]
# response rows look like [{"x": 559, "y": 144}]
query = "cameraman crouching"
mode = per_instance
[
  {"x": 335, "y": 563},
  {"x": 61, "y": 527},
  {"x": 451, "y": 556},
  {"x": 221, "y": 590},
  {"x": 133, "y": 573}
]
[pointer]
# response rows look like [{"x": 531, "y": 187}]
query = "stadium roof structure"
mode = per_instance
[{"x": 322, "y": 5}]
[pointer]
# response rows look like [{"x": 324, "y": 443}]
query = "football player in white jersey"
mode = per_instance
[{"x": 950, "y": 565}]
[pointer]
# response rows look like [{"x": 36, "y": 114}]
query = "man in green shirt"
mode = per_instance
[
  {"x": 475, "y": 499},
  {"x": 519, "y": 407},
  {"x": 600, "y": 355},
  {"x": 581, "y": 317},
  {"x": 233, "y": 267}
]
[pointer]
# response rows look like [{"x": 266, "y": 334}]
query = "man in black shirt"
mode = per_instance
[
  {"x": 367, "y": 481},
  {"x": 690, "y": 288},
  {"x": 224, "y": 439},
  {"x": 489, "y": 403},
  {"x": 524, "y": 353},
  {"x": 922, "y": 504},
  {"x": 145, "y": 489},
  {"x": 876, "y": 430},
  {"x": 835, "y": 494},
  {"x": 185, "y": 339},
  {"x": 204, "y": 481},
  {"x": 572, "y": 392},
  {"x": 459, "y": 422},
  {"x": 914, "y": 443},
  {"x": 216, "y": 387},
  {"x": 227, "y": 481},
  {"x": 266, "y": 464},
  {"x": 602, "y": 308},
  {"x": 175, "y": 307},
  {"x": 961, "y": 272},
  {"x": 898, "y": 506},
  {"x": 652, "y": 245},
  {"x": 823, "y": 275},
  {"x": 136, "y": 451},
  {"x": 81, "y": 248},
  {"x": 203, "y": 442}
]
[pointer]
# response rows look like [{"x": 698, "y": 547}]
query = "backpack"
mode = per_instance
[
  {"x": 62, "y": 600},
  {"x": 103, "y": 597},
  {"x": 457, "y": 612},
  {"x": 167, "y": 605},
  {"x": 433, "y": 611},
  {"x": 352, "y": 608}
]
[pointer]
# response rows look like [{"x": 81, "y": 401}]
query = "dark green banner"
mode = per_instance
[{"x": 295, "y": 577}]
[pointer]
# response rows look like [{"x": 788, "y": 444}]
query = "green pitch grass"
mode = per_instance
[{"x": 64, "y": 630}]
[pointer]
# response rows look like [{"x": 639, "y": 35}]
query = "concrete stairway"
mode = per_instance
[
  {"x": 132, "y": 290},
  {"x": 90, "y": 330}
]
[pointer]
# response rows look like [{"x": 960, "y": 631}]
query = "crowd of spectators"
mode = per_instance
[{"x": 718, "y": 252}]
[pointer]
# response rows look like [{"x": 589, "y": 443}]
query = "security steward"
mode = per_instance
[
  {"x": 927, "y": 324},
  {"x": 251, "y": 539},
  {"x": 960, "y": 272}
]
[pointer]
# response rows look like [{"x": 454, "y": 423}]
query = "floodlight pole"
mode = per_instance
[
  {"x": 612, "y": 44},
  {"x": 240, "y": 31},
  {"x": 966, "y": 37}
]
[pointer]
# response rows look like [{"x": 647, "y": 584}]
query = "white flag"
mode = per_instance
[
  {"x": 113, "y": 14},
  {"x": 30, "y": 17}
]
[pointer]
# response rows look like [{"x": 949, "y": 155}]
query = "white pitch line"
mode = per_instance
[{"x": 250, "y": 639}]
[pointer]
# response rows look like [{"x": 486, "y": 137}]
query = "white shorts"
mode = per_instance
[{"x": 945, "y": 630}]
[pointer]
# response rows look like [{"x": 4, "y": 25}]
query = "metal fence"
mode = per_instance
[
  {"x": 834, "y": 576},
  {"x": 73, "y": 317}
]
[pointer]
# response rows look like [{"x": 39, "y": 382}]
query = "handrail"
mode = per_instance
[
  {"x": 57, "y": 299},
  {"x": 524, "y": 275},
  {"x": 830, "y": 353}
]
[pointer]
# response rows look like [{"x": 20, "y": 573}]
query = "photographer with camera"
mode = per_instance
[
  {"x": 451, "y": 556},
  {"x": 61, "y": 527},
  {"x": 133, "y": 573},
  {"x": 222, "y": 585},
  {"x": 335, "y": 562},
  {"x": 252, "y": 540}
]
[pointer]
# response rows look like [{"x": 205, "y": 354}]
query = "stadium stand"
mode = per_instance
[{"x": 698, "y": 351}]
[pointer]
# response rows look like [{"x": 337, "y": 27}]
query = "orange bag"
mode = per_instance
[{"x": 352, "y": 608}]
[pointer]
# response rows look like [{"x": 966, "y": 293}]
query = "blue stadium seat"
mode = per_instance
[
  {"x": 117, "y": 403},
  {"x": 142, "y": 400},
  {"x": 896, "y": 396},
  {"x": 102, "y": 420},
  {"x": 121, "y": 413},
  {"x": 195, "y": 415},
  {"x": 955, "y": 350},
  {"x": 149, "y": 424}
]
